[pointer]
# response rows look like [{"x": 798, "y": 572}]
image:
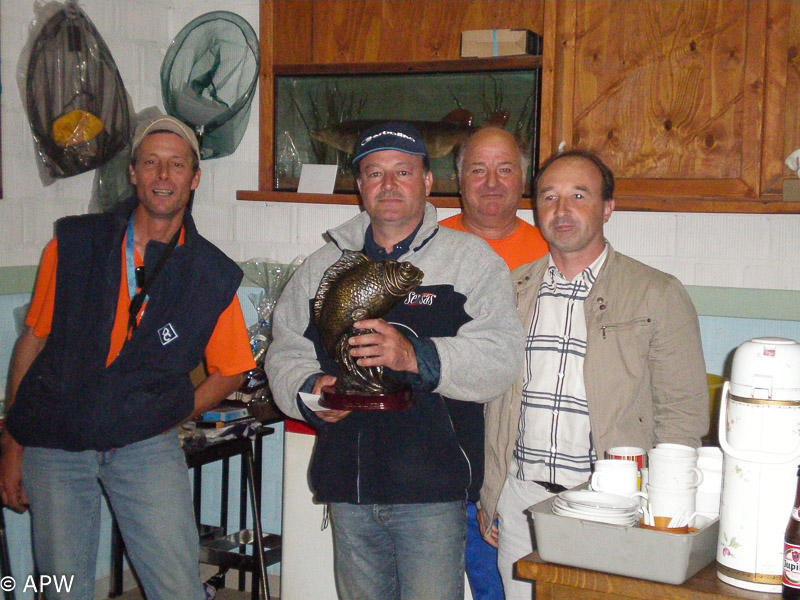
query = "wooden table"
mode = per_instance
[{"x": 558, "y": 582}]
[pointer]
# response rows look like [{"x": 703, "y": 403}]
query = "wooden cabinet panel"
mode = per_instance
[
  {"x": 410, "y": 30},
  {"x": 670, "y": 93},
  {"x": 782, "y": 101}
]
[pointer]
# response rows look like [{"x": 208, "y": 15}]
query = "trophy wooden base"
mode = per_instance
[{"x": 335, "y": 400}]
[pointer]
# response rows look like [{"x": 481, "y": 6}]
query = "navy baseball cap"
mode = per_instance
[{"x": 392, "y": 135}]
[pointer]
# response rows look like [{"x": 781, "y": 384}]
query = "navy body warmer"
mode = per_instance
[{"x": 69, "y": 399}]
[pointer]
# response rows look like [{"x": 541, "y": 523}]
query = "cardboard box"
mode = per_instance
[{"x": 482, "y": 43}]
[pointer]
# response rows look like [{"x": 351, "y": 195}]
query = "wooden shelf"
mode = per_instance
[
  {"x": 351, "y": 199},
  {"x": 465, "y": 65},
  {"x": 766, "y": 205}
]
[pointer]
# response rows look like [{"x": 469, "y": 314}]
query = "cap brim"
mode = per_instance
[{"x": 170, "y": 124}]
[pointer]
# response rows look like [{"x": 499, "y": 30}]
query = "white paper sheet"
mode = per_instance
[{"x": 317, "y": 179}]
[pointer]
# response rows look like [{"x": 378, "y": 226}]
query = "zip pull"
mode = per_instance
[
  {"x": 603, "y": 329},
  {"x": 325, "y": 518}
]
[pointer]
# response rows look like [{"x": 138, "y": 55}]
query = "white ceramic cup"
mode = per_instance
[
  {"x": 707, "y": 502},
  {"x": 709, "y": 461},
  {"x": 670, "y": 503},
  {"x": 673, "y": 471},
  {"x": 634, "y": 453},
  {"x": 711, "y": 455},
  {"x": 619, "y": 477},
  {"x": 677, "y": 449}
]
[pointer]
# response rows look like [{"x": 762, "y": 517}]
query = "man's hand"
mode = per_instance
[
  {"x": 11, "y": 491},
  {"x": 329, "y": 416},
  {"x": 386, "y": 347},
  {"x": 494, "y": 534}
]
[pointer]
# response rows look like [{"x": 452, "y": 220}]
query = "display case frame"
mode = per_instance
[{"x": 268, "y": 191}]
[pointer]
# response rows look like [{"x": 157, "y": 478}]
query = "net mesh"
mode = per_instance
[
  {"x": 77, "y": 105},
  {"x": 209, "y": 77}
]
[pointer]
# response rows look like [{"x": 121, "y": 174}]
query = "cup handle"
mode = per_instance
[
  {"x": 594, "y": 481},
  {"x": 700, "y": 476}
]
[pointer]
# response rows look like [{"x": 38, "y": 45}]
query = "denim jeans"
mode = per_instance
[
  {"x": 147, "y": 485},
  {"x": 399, "y": 551}
]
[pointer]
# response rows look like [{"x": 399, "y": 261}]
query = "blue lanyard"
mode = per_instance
[{"x": 130, "y": 262}]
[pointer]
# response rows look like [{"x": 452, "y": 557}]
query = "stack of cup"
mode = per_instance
[
  {"x": 631, "y": 453},
  {"x": 709, "y": 461},
  {"x": 673, "y": 479}
]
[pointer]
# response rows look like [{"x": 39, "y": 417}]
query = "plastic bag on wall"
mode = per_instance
[
  {"x": 271, "y": 278},
  {"x": 77, "y": 105}
]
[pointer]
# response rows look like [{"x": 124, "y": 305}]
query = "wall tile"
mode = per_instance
[
  {"x": 213, "y": 221},
  {"x": 781, "y": 276},
  {"x": 683, "y": 270},
  {"x": 727, "y": 237},
  {"x": 313, "y": 221},
  {"x": 720, "y": 274},
  {"x": 785, "y": 240},
  {"x": 260, "y": 221},
  {"x": 642, "y": 234}
]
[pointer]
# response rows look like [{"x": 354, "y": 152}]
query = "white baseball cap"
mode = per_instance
[{"x": 162, "y": 123}]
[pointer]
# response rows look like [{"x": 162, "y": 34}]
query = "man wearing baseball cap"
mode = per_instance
[
  {"x": 125, "y": 306},
  {"x": 396, "y": 482}
]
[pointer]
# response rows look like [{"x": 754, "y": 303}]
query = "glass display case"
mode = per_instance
[{"x": 319, "y": 113}]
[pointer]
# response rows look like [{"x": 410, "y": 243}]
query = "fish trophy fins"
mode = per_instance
[
  {"x": 355, "y": 378},
  {"x": 349, "y": 259}
]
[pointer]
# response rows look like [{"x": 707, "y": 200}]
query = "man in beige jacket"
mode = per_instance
[{"x": 613, "y": 357}]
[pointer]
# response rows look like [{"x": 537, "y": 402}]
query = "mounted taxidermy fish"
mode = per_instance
[{"x": 440, "y": 137}]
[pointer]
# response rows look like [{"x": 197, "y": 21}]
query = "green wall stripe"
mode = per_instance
[
  {"x": 17, "y": 280},
  {"x": 780, "y": 305}
]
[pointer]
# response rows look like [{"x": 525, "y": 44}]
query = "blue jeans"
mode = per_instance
[
  {"x": 399, "y": 551},
  {"x": 481, "y": 559},
  {"x": 147, "y": 485}
]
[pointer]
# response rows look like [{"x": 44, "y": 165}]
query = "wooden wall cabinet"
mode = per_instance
[
  {"x": 687, "y": 100},
  {"x": 693, "y": 103}
]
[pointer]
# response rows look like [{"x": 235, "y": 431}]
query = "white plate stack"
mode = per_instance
[{"x": 597, "y": 506}]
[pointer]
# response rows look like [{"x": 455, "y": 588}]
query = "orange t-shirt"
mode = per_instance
[
  {"x": 523, "y": 246},
  {"x": 228, "y": 351}
]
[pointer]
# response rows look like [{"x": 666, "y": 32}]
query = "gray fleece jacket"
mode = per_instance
[{"x": 433, "y": 451}]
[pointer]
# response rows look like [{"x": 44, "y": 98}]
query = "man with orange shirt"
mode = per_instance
[
  {"x": 491, "y": 172},
  {"x": 125, "y": 306}
]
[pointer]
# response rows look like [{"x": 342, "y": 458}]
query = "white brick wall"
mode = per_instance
[{"x": 720, "y": 250}]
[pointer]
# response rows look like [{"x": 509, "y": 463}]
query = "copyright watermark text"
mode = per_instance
[{"x": 39, "y": 583}]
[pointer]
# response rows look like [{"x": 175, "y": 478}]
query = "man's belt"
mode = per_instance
[{"x": 553, "y": 488}]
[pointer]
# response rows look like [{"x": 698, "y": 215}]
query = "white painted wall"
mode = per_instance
[{"x": 750, "y": 251}]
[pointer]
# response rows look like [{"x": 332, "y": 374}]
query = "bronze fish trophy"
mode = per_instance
[{"x": 355, "y": 288}]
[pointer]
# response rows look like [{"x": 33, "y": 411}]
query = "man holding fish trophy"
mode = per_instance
[{"x": 397, "y": 480}]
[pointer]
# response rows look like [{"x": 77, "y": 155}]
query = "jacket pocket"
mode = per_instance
[{"x": 612, "y": 328}]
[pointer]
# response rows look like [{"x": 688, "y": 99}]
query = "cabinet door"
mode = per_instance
[
  {"x": 782, "y": 102},
  {"x": 670, "y": 93}
]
